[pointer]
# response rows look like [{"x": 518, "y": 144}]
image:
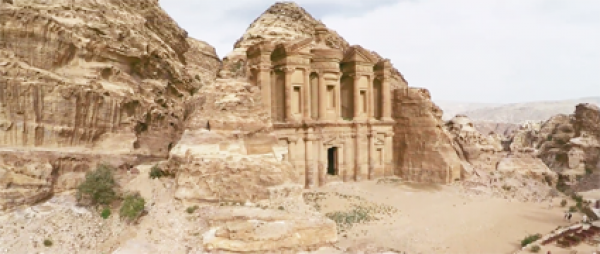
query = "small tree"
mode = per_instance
[
  {"x": 133, "y": 206},
  {"x": 98, "y": 187},
  {"x": 563, "y": 203}
]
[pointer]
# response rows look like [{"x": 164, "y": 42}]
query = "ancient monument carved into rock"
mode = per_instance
[{"x": 332, "y": 107}]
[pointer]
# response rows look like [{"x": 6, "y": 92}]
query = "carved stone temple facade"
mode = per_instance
[{"x": 331, "y": 108}]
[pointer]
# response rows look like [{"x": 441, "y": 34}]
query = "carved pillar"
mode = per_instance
[
  {"x": 288, "y": 93},
  {"x": 338, "y": 98},
  {"x": 357, "y": 109},
  {"x": 371, "y": 152},
  {"x": 322, "y": 161},
  {"x": 310, "y": 167},
  {"x": 370, "y": 99},
  {"x": 307, "y": 98},
  {"x": 358, "y": 167},
  {"x": 388, "y": 154},
  {"x": 386, "y": 94},
  {"x": 264, "y": 82},
  {"x": 322, "y": 98},
  {"x": 350, "y": 171},
  {"x": 342, "y": 162},
  {"x": 291, "y": 148}
]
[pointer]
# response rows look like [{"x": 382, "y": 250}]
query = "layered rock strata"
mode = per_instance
[{"x": 87, "y": 78}]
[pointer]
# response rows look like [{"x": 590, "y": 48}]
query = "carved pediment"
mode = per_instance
[{"x": 358, "y": 54}]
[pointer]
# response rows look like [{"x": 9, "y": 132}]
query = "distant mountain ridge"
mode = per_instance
[{"x": 514, "y": 113}]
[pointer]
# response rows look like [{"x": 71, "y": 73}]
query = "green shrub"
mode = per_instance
[
  {"x": 47, "y": 242},
  {"x": 105, "y": 213},
  {"x": 529, "y": 239},
  {"x": 563, "y": 202},
  {"x": 535, "y": 248},
  {"x": 191, "y": 209},
  {"x": 156, "y": 172},
  {"x": 132, "y": 207},
  {"x": 98, "y": 187}
]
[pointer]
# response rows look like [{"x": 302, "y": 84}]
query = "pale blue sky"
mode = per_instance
[{"x": 496, "y": 51}]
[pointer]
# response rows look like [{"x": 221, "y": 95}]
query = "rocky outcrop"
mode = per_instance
[
  {"x": 258, "y": 231},
  {"x": 98, "y": 77},
  {"x": 481, "y": 151},
  {"x": 493, "y": 153},
  {"x": 424, "y": 151},
  {"x": 570, "y": 145}
]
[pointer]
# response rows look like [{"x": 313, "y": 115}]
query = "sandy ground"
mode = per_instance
[{"x": 440, "y": 219}]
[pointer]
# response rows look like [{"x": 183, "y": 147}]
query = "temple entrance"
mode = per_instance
[{"x": 332, "y": 163}]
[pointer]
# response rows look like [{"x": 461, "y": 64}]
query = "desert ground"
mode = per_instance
[
  {"x": 411, "y": 218},
  {"x": 443, "y": 219}
]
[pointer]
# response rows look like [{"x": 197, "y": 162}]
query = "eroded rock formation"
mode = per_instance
[
  {"x": 423, "y": 150},
  {"x": 568, "y": 144},
  {"x": 87, "y": 78}
]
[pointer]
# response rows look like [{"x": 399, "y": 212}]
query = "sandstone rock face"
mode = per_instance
[
  {"x": 490, "y": 154},
  {"x": 481, "y": 151},
  {"x": 570, "y": 145},
  {"x": 526, "y": 165},
  {"x": 424, "y": 151},
  {"x": 94, "y": 78}
]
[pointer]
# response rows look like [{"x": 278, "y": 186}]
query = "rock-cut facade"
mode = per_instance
[{"x": 330, "y": 108}]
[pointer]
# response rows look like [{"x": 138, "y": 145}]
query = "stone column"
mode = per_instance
[
  {"x": 310, "y": 169},
  {"x": 358, "y": 167},
  {"x": 386, "y": 94},
  {"x": 322, "y": 98},
  {"x": 322, "y": 158},
  {"x": 370, "y": 99},
  {"x": 338, "y": 99},
  {"x": 342, "y": 163},
  {"x": 388, "y": 154},
  {"x": 357, "y": 111},
  {"x": 306, "y": 102},
  {"x": 371, "y": 140},
  {"x": 288, "y": 93},
  {"x": 264, "y": 82},
  {"x": 350, "y": 165}
]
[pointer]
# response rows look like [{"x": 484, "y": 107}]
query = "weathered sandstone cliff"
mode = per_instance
[
  {"x": 568, "y": 144},
  {"x": 424, "y": 151},
  {"x": 83, "y": 79}
]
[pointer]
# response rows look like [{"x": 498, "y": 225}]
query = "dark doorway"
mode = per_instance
[{"x": 332, "y": 161}]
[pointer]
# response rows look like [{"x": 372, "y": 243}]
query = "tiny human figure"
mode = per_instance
[
  {"x": 569, "y": 217},
  {"x": 584, "y": 218},
  {"x": 566, "y": 215}
]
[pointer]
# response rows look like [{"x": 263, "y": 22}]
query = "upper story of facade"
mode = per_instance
[{"x": 307, "y": 81}]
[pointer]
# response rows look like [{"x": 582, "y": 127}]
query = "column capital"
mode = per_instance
[
  {"x": 389, "y": 134},
  {"x": 292, "y": 139},
  {"x": 288, "y": 69},
  {"x": 310, "y": 138}
]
